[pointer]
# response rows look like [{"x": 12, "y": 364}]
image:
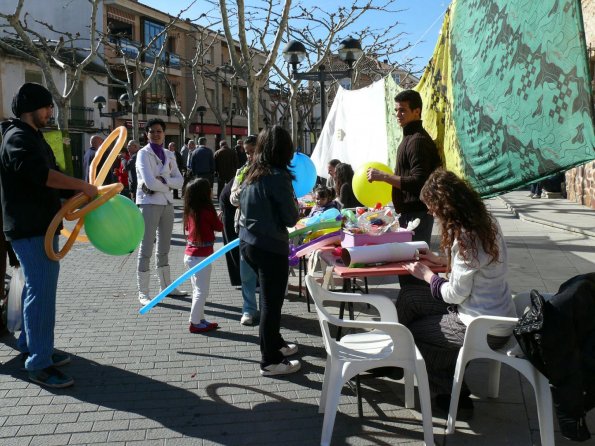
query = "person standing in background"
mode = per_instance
[
  {"x": 226, "y": 164},
  {"x": 241, "y": 153},
  {"x": 179, "y": 161},
  {"x": 157, "y": 173},
  {"x": 90, "y": 153},
  {"x": 201, "y": 162},
  {"x": 130, "y": 167}
]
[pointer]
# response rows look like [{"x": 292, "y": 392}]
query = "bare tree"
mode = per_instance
[
  {"x": 63, "y": 53},
  {"x": 196, "y": 66},
  {"x": 273, "y": 23},
  {"x": 309, "y": 24}
]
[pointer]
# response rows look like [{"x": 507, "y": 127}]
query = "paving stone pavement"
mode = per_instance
[{"x": 145, "y": 380}]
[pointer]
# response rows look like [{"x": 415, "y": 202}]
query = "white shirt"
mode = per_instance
[{"x": 479, "y": 288}]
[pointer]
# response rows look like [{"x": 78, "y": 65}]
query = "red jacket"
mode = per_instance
[
  {"x": 121, "y": 172},
  {"x": 208, "y": 224}
]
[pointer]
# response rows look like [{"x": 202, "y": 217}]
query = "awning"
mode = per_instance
[{"x": 119, "y": 15}]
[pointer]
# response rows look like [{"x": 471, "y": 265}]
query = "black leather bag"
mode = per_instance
[{"x": 529, "y": 331}]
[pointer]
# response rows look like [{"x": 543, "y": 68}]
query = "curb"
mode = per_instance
[{"x": 525, "y": 217}]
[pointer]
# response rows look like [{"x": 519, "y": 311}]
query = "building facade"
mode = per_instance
[
  {"x": 580, "y": 181},
  {"x": 129, "y": 26}
]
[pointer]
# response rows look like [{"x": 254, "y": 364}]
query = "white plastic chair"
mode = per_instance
[
  {"x": 475, "y": 346},
  {"x": 386, "y": 344}
]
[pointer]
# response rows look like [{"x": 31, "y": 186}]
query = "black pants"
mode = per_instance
[{"x": 272, "y": 270}]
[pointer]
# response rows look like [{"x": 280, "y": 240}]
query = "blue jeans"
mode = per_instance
[
  {"x": 536, "y": 188},
  {"x": 248, "y": 278},
  {"x": 39, "y": 301}
]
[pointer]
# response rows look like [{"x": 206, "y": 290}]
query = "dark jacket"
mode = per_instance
[
  {"x": 130, "y": 166},
  {"x": 28, "y": 205},
  {"x": 568, "y": 341},
  {"x": 268, "y": 207},
  {"x": 347, "y": 197},
  {"x": 417, "y": 158},
  {"x": 201, "y": 161},
  {"x": 87, "y": 159},
  {"x": 226, "y": 163}
]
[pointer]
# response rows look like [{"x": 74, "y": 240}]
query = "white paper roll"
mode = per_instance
[{"x": 389, "y": 252}]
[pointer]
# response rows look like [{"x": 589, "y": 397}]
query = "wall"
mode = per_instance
[
  {"x": 580, "y": 181},
  {"x": 65, "y": 15}
]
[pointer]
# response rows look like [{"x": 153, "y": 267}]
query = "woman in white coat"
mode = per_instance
[{"x": 158, "y": 174}]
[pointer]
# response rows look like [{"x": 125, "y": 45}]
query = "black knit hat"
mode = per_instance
[{"x": 30, "y": 97}]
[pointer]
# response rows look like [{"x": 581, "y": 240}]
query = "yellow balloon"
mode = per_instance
[
  {"x": 371, "y": 193},
  {"x": 319, "y": 233}
]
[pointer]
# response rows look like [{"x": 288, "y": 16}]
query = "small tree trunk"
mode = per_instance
[
  {"x": 294, "y": 114},
  {"x": 135, "y": 104},
  {"x": 253, "y": 92}
]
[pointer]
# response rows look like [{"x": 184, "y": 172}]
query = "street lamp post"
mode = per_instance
[
  {"x": 232, "y": 113},
  {"x": 123, "y": 100},
  {"x": 350, "y": 51},
  {"x": 201, "y": 110},
  {"x": 313, "y": 131}
]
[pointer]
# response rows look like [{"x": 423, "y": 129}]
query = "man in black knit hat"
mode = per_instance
[{"x": 30, "y": 195}]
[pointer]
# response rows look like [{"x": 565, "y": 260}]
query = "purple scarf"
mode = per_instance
[{"x": 158, "y": 150}]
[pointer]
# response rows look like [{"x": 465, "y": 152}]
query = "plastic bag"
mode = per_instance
[{"x": 14, "y": 317}]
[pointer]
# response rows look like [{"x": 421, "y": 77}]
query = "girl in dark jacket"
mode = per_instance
[{"x": 268, "y": 206}]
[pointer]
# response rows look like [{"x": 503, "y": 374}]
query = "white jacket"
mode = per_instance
[
  {"x": 479, "y": 287},
  {"x": 148, "y": 168}
]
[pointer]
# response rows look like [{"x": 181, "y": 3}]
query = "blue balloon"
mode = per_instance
[
  {"x": 328, "y": 215},
  {"x": 190, "y": 273},
  {"x": 305, "y": 174}
]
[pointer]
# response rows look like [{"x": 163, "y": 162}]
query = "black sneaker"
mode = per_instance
[
  {"x": 464, "y": 412},
  {"x": 58, "y": 359},
  {"x": 51, "y": 377}
]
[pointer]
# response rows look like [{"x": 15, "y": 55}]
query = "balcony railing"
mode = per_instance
[
  {"x": 172, "y": 60},
  {"x": 81, "y": 117},
  {"x": 128, "y": 47}
]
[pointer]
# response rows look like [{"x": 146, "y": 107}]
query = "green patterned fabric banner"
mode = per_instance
[{"x": 509, "y": 89}]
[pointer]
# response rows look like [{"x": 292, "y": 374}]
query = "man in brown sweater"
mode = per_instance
[
  {"x": 226, "y": 164},
  {"x": 417, "y": 158}
]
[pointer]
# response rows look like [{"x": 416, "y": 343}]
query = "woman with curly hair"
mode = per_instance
[
  {"x": 267, "y": 208},
  {"x": 438, "y": 312}
]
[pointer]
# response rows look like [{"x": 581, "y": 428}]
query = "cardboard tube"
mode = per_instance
[{"x": 388, "y": 252}]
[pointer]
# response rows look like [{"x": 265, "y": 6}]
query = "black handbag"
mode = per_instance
[{"x": 529, "y": 331}]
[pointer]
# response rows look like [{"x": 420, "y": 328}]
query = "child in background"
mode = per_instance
[
  {"x": 200, "y": 224},
  {"x": 324, "y": 197}
]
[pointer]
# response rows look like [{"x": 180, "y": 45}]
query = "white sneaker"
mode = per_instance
[
  {"x": 247, "y": 320},
  {"x": 285, "y": 367},
  {"x": 143, "y": 300},
  {"x": 289, "y": 349}
]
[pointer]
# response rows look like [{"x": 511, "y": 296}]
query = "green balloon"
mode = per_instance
[{"x": 116, "y": 227}]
